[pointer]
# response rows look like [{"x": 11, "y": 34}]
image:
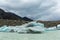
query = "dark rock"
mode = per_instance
[
  {"x": 11, "y": 19},
  {"x": 27, "y": 19},
  {"x": 8, "y": 15},
  {"x": 12, "y": 16}
]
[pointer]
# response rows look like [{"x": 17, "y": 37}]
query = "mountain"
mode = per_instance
[
  {"x": 8, "y": 15},
  {"x": 11, "y": 19},
  {"x": 27, "y": 19},
  {"x": 12, "y": 16}
]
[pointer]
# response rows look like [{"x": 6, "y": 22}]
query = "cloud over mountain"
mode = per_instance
[{"x": 35, "y": 9}]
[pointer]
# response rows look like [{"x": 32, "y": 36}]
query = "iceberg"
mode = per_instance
[
  {"x": 35, "y": 27},
  {"x": 4, "y": 29},
  {"x": 51, "y": 28},
  {"x": 32, "y": 27},
  {"x": 58, "y": 26}
]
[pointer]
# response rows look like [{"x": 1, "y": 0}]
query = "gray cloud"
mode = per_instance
[{"x": 34, "y": 9}]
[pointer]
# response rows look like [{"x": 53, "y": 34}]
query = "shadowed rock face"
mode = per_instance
[
  {"x": 12, "y": 16},
  {"x": 1, "y": 13},
  {"x": 8, "y": 15},
  {"x": 27, "y": 19},
  {"x": 11, "y": 19}
]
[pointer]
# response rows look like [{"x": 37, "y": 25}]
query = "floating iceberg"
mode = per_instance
[
  {"x": 37, "y": 28},
  {"x": 58, "y": 26},
  {"x": 32, "y": 27},
  {"x": 4, "y": 29},
  {"x": 31, "y": 24},
  {"x": 51, "y": 28}
]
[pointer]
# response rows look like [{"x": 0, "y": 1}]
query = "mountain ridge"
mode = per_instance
[{"x": 12, "y": 16}]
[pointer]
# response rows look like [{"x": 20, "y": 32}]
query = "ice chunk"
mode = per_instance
[
  {"x": 4, "y": 29},
  {"x": 33, "y": 24},
  {"x": 22, "y": 30},
  {"x": 51, "y": 28},
  {"x": 58, "y": 26},
  {"x": 37, "y": 28}
]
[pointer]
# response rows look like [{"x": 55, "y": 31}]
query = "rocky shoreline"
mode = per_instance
[{"x": 12, "y": 22}]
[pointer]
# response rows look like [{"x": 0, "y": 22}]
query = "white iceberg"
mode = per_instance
[
  {"x": 33, "y": 26},
  {"x": 51, "y": 28},
  {"x": 58, "y": 26},
  {"x": 37, "y": 28}
]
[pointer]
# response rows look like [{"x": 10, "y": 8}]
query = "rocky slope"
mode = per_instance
[
  {"x": 49, "y": 23},
  {"x": 9, "y": 18},
  {"x": 12, "y": 16}
]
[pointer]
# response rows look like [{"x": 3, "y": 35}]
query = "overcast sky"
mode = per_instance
[{"x": 35, "y": 9}]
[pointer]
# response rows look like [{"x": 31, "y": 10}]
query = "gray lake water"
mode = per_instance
[{"x": 51, "y": 35}]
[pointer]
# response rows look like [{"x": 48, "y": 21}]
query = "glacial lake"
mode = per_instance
[{"x": 51, "y": 35}]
